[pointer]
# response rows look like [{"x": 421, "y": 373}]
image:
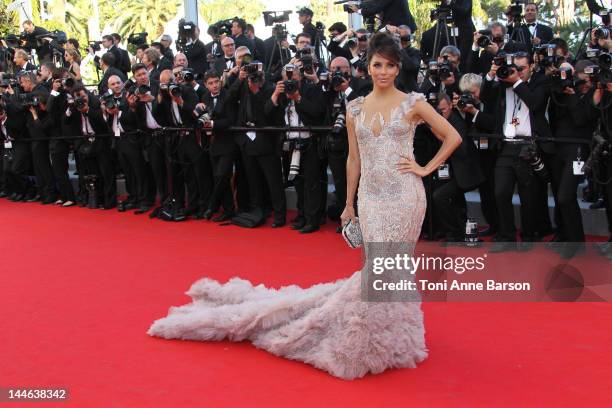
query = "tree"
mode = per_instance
[
  {"x": 148, "y": 16},
  {"x": 215, "y": 10}
]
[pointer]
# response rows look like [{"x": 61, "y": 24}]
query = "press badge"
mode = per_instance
[
  {"x": 251, "y": 135},
  {"x": 8, "y": 145},
  {"x": 444, "y": 172},
  {"x": 483, "y": 143},
  {"x": 578, "y": 168}
]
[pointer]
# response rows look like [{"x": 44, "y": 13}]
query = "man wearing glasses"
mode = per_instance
[
  {"x": 521, "y": 97},
  {"x": 227, "y": 61}
]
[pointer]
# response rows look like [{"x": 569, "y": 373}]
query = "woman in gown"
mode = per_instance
[{"x": 329, "y": 325}]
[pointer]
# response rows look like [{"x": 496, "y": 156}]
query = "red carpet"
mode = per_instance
[{"x": 79, "y": 288}]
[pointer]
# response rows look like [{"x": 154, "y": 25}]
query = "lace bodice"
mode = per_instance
[{"x": 379, "y": 153}]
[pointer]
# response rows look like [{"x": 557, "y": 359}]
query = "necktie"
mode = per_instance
[
  {"x": 531, "y": 24},
  {"x": 229, "y": 59}
]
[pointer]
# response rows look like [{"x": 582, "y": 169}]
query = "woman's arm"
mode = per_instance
[
  {"x": 353, "y": 163},
  {"x": 77, "y": 70},
  {"x": 442, "y": 130}
]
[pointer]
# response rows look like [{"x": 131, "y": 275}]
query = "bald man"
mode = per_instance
[{"x": 227, "y": 61}]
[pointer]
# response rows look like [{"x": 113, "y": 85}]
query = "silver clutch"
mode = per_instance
[{"x": 351, "y": 232}]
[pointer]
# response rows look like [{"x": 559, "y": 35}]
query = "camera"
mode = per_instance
[
  {"x": 515, "y": 11},
  {"x": 547, "y": 56},
  {"x": 171, "y": 88},
  {"x": 530, "y": 154},
  {"x": 432, "y": 99},
  {"x": 440, "y": 71},
  {"x": 219, "y": 28},
  {"x": 79, "y": 102},
  {"x": 68, "y": 82},
  {"x": 8, "y": 80},
  {"x": 601, "y": 33},
  {"x": 338, "y": 78},
  {"x": 253, "y": 69},
  {"x": 204, "y": 118},
  {"x": 137, "y": 39},
  {"x": 485, "y": 40},
  {"x": 601, "y": 153},
  {"x": 133, "y": 89},
  {"x": 95, "y": 45},
  {"x": 506, "y": 65},
  {"x": 466, "y": 99},
  {"x": 291, "y": 85},
  {"x": 109, "y": 101},
  {"x": 561, "y": 79},
  {"x": 443, "y": 12},
  {"x": 276, "y": 17},
  {"x": 28, "y": 99},
  {"x": 186, "y": 33},
  {"x": 187, "y": 75}
]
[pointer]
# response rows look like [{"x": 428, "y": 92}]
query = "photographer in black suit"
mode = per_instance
[
  {"x": 16, "y": 152},
  {"x": 107, "y": 64},
  {"x": 223, "y": 147},
  {"x": 40, "y": 124},
  {"x": 531, "y": 33},
  {"x": 481, "y": 118},
  {"x": 176, "y": 104},
  {"x": 494, "y": 42},
  {"x": 465, "y": 175},
  {"x": 521, "y": 101},
  {"x": 142, "y": 100},
  {"x": 297, "y": 103},
  {"x": 461, "y": 11},
  {"x": 194, "y": 49},
  {"x": 259, "y": 150},
  {"x": 84, "y": 117},
  {"x": 410, "y": 58},
  {"x": 35, "y": 39},
  {"x": 572, "y": 116},
  {"x": 394, "y": 12}
]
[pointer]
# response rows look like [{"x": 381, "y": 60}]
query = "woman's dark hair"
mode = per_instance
[{"x": 385, "y": 46}]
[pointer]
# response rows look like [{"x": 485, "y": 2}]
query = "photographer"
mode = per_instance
[
  {"x": 460, "y": 13},
  {"x": 305, "y": 16},
  {"x": 34, "y": 38},
  {"x": 531, "y": 33},
  {"x": 192, "y": 47},
  {"x": 443, "y": 75},
  {"x": 16, "y": 152},
  {"x": 464, "y": 175},
  {"x": 227, "y": 61},
  {"x": 150, "y": 59},
  {"x": 572, "y": 116},
  {"x": 242, "y": 59},
  {"x": 277, "y": 51},
  {"x": 342, "y": 89},
  {"x": 521, "y": 102},
  {"x": 60, "y": 148},
  {"x": 39, "y": 125},
  {"x": 122, "y": 122},
  {"x": 107, "y": 65},
  {"x": 296, "y": 103},
  {"x": 84, "y": 117},
  {"x": 142, "y": 100},
  {"x": 186, "y": 76},
  {"x": 394, "y": 12},
  {"x": 356, "y": 45},
  {"x": 481, "y": 119},
  {"x": 411, "y": 59},
  {"x": 122, "y": 57},
  {"x": 489, "y": 43},
  {"x": 259, "y": 150},
  {"x": 223, "y": 147},
  {"x": 165, "y": 62},
  {"x": 176, "y": 104},
  {"x": 239, "y": 28},
  {"x": 20, "y": 59},
  {"x": 260, "y": 48}
]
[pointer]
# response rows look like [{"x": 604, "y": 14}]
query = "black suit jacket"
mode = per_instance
[
  {"x": 543, "y": 32},
  {"x": 260, "y": 50},
  {"x": 464, "y": 162},
  {"x": 411, "y": 62},
  {"x": 165, "y": 63},
  {"x": 394, "y": 12},
  {"x": 15, "y": 121},
  {"x": 243, "y": 41},
  {"x": 190, "y": 100},
  {"x": 219, "y": 65},
  {"x": 534, "y": 94},
  {"x": 103, "y": 85},
  {"x": 223, "y": 116},
  {"x": 250, "y": 108},
  {"x": 196, "y": 56}
]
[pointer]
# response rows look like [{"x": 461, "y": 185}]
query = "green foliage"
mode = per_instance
[
  {"x": 215, "y": 10},
  {"x": 9, "y": 22}
]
